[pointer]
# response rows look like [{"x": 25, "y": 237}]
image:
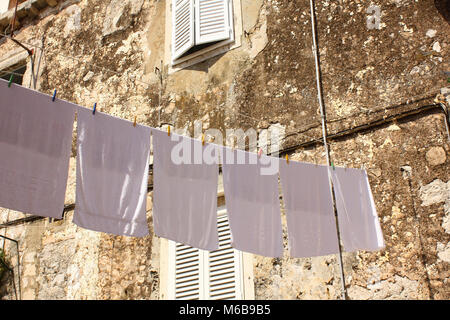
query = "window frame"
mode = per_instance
[
  {"x": 209, "y": 51},
  {"x": 12, "y": 62}
]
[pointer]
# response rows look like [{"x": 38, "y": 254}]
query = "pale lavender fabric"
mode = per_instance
[
  {"x": 252, "y": 202},
  {"x": 309, "y": 209},
  {"x": 185, "y": 191},
  {"x": 358, "y": 220},
  {"x": 35, "y": 146},
  {"x": 112, "y": 174}
]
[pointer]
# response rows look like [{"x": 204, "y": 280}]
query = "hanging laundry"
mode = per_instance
[
  {"x": 252, "y": 202},
  {"x": 309, "y": 209},
  {"x": 35, "y": 146},
  {"x": 358, "y": 220},
  {"x": 112, "y": 174},
  {"x": 185, "y": 191}
]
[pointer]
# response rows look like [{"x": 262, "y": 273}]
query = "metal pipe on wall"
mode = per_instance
[{"x": 325, "y": 142}]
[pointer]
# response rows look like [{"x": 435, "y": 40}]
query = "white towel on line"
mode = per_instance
[
  {"x": 309, "y": 209},
  {"x": 252, "y": 202},
  {"x": 184, "y": 193},
  {"x": 358, "y": 220},
  {"x": 35, "y": 146},
  {"x": 112, "y": 174}
]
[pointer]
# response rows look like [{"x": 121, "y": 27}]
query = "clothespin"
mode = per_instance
[
  {"x": 168, "y": 131},
  {"x": 287, "y": 159},
  {"x": 332, "y": 165},
  {"x": 54, "y": 95},
  {"x": 95, "y": 107},
  {"x": 203, "y": 139},
  {"x": 260, "y": 152},
  {"x": 10, "y": 80},
  {"x": 134, "y": 123}
]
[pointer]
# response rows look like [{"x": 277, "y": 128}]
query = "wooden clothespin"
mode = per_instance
[
  {"x": 287, "y": 158},
  {"x": 54, "y": 96},
  {"x": 95, "y": 107},
  {"x": 168, "y": 131},
  {"x": 10, "y": 80},
  {"x": 203, "y": 139},
  {"x": 134, "y": 123}
]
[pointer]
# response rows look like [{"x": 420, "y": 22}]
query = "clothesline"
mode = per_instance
[
  {"x": 250, "y": 146},
  {"x": 256, "y": 120},
  {"x": 112, "y": 176}
]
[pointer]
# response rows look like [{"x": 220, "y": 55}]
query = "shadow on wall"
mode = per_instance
[
  {"x": 204, "y": 66},
  {"x": 5, "y": 277},
  {"x": 443, "y": 6}
]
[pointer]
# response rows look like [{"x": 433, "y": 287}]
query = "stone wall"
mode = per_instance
[{"x": 107, "y": 51}]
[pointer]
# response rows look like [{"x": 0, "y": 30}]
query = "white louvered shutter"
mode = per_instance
[
  {"x": 224, "y": 266},
  {"x": 199, "y": 274},
  {"x": 188, "y": 269},
  {"x": 212, "y": 21},
  {"x": 186, "y": 272},
  {"x": 182, "y": 27}
]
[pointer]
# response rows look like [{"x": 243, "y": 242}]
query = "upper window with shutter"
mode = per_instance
[
  {"x": 183, "y": 36},
  {"x": 206, "y": 275},
  {"x": 200, "y": 26},
  {"x": 212, "y": 21}
]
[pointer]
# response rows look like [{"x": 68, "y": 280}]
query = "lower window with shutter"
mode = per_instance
[{"x": 206, "y": 275}]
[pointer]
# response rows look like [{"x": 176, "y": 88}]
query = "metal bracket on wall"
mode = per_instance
[{"x": 442, "y": 101}]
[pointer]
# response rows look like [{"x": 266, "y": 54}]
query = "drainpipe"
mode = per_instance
[{"x": 325, "y": 142}]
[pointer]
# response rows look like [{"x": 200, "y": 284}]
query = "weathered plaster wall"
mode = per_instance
[
  {"x": 106, "y": 51},
  {"x": 364, "y": 71},
  {"x": 58, "y": 259}
]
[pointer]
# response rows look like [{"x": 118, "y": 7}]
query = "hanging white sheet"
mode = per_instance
[
  {"x": 35, "y": 146},
  {"x": 252, "y": 202},
  {"x": 309, "y": 209},
  {"x": 358, "y": 220},
  {"x": 185, "y": 191},
  {"x": 112, "y": 174}
]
